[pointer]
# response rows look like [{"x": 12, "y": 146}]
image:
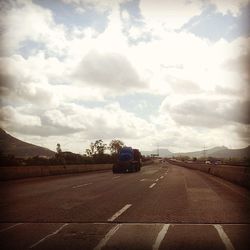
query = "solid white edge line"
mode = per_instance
[
  {"x": 227, "y": 242},
  {"x": 49, "y": 235},
  {"x": 151, "y": 186},
  {"x": 5, "y": 229},
  {"x": 104, "y": 241},
  {"x": 117, "y": 214},
  {"x": 160, "y": 236}
]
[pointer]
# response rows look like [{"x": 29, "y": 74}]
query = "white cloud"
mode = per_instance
[
  {"x": 107, "y": 123},
  {"x": 26, "y": 21},
  {"x": 170, "y": 14},
  {"x": 10, "y": 115},
  {"x": 229, "y": 6},
  {"x": 204, "y": 82},
  {"x": 99, "y": 5}
]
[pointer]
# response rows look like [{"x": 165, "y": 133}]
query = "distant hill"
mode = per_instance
[
  {"x": 218, "y": 152},
  {"x": 198, "y": 154},
  {"x": 232, "y": 153},
  {"x": 10, "y": 145},
  {"x": 163, "y": 152}
]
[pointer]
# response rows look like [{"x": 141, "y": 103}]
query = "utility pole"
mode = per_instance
[
  {"x": 204, "y": 152},
  {"x": 158, "y": 149}
]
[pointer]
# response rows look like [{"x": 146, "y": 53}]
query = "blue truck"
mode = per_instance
[{"x": 128, "y": 160}]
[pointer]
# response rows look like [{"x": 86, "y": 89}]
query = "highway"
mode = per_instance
[{"x": 161, "y": 207}]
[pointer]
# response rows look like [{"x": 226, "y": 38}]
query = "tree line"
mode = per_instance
[
  {"x": 99, "y": 147},
  {"x": 95, "y": 154}
]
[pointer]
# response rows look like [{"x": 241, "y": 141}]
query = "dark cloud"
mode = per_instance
[
  {"x": 240, "y": 64},
  {"x": 244, "y": 133},
  {"x": 43, "y": 130},
  {"x": 108, "y": 71},
  {"x": 209, "y": 112},
  {"x": 183, "y": 86},
  {"x": 239, "y": 112}
]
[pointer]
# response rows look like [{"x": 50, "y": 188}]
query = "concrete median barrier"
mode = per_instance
[
  {"x": 20, "y": 172},
  {"x": 236, "y": 174}
]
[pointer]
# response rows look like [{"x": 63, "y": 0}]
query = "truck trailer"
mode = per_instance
[{"x": 128, "y": 160}]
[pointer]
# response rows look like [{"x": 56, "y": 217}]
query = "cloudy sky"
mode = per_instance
[{"x": 148, "y": 72}]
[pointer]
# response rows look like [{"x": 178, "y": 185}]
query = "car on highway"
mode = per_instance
[{"x": 128, "y": 159}]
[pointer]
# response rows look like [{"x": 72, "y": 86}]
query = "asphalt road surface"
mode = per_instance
[{"x": 161, "y": 207}]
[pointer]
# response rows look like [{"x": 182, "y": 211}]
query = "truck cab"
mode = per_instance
[{"x": 128, "y": 159}]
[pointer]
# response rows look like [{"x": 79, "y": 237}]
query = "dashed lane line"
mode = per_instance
[
  {"x": 151, "y": 186},
  {"x": 10, "y": 227},
  {"x": 157, "y": 180},
  {"x": 82, "y": 185},
  {"x": 49, "y": 235},
  {"x": 104, "y": 241},
  {"x": 117, "y": 214},
  {"x": 160, "y": 236},
  {"x": 116, "y": 177},
  {"x": 162, "y": 177},
  {"x": 227, "y": 242}
]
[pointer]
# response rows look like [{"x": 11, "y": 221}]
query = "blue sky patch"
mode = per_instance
[
  {"x": 68, "y": 15},
  {"x": 214, "y": 25},
  {"x": 141, "y": 104}
]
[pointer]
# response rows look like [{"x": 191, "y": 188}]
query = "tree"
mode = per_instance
[
  {"x": 96, "y": 148},
  {"x": 90, "y": 151},
  {"x": 100, "y": 147},
  {"x": 115, "y": 146}
]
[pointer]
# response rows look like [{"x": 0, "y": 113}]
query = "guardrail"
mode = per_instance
[
  {"x": 236, "y": 174},
  {"x": 21, "y": 172}
]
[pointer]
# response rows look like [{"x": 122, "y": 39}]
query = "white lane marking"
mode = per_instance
[
  {"x": 152, "y": 185},
  {"x": 160, "y": 236},
  {"x": 5, "y": 229},
  {"x": 104, "y": 241},
  {"x": 117, "y": 214},
  {"x": 156, "y": 180},
  {"x": 49, "y": 235},
  {"x": 116, "y": 177},
  {"x": 227, "y": 242},
  {"x": 162, "y": 177},
  {"x": 146, "y": 180},
  {"x": 82, "y": 185}
]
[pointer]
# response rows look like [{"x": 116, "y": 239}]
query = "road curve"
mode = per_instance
[{"x": 161, "y": 207}]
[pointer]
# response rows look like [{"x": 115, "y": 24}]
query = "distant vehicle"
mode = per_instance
[
  {"x": 218, "y": 162},
  {"x": 208, "y": 162},
  {"x": 128, "y": 159}
]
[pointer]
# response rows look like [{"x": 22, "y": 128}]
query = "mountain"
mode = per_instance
[
  {"x": 163, "y": 152},
  {"x": 233, "y": 153},
  {"x": 198, "y": 154},
  {"x": 219, "y": 152},
  {"x": 10, "y": 145}
]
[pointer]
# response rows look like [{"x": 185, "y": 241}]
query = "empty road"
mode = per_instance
[{"x": 161, "y": 207}]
